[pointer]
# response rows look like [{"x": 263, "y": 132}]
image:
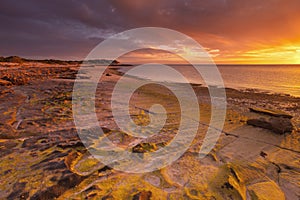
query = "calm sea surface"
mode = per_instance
[{"x": 267, "y": 78}]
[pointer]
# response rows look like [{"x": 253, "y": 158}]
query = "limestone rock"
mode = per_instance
[{"x": 278, "y": 125}]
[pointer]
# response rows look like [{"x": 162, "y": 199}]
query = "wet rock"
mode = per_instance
[
  {"x": 278, "y": 125},
  {"x": 143, "y": 195},
  {"x": 270, "y": 112}
]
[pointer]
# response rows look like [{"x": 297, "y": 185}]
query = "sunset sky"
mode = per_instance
[{"x": 232, "y": 31}]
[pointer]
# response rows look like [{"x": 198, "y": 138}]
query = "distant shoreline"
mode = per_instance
[{"x": 17, "y": 59}]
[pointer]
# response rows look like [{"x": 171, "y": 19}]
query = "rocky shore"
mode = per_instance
[{"x": 42, "y": 157}]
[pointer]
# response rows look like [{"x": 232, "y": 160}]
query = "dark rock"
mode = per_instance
[
  {"x": 18, "y": 191},
  {"x": 69, "y": 180},
  {"x": 13, "y": 59},
  {"x": 7, "y": 172},
  {"x": 91, "y": 196},
  {"x": 55, "y": 165},
  {"x": 105, "y": 168},
  {"x": 70, "y": 144},
  {"x": 49, "y": 164},
  {"x": 278, "y": 125},
  {"x": 144, "y": 147},
  {"x": 92, "y": 188},
  {"x": 227, "y": 185},
  {"x": 263, "y": 154},
  {"x": 5, "y": 82},
  {"x": 24, "y": 196},
  {"x": 274, "y": 113},
  {"x": 7, "y": 147},
  {"x": 31, "y": 142},
  {"x": 143, "y": 195},
  {"x": 53, "y": 155},
  {"x": 7, "y": 132}
]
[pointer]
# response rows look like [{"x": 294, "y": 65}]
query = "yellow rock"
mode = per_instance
[
  {"x": 265, "y": 191},
  {"x": 227, "y": 184}
]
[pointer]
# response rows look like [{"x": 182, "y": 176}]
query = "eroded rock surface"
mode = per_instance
[{"x": 42, "y": 156}]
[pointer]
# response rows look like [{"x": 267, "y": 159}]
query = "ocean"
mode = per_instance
[{"x": 283, "y": 79}]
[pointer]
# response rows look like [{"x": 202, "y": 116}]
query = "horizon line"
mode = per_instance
[{"x": 126, "y": 63}]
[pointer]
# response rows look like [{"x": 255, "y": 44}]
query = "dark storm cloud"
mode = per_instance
[
  {"x": 71, "y": 28},
  {"x": 55, "y": 28}
]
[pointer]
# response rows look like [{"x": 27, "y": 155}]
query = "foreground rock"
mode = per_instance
[
  {"x": 39, "y": 170},
  {"x": 277, "y": 125},
  {"x": 42, "y": 156}
]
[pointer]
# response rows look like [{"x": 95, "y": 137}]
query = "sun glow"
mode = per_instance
[{"x": 281, "y": 54}]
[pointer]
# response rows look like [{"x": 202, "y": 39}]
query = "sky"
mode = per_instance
[{"x": 232, "y": 31}]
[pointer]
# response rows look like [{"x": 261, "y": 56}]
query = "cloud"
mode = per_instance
[
  {"x": 63, "y": 29},
  {"x": 71, "y": 28}
]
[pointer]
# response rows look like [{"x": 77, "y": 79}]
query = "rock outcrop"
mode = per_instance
[
  {"x": 273, "y": 120},
  {"x": 278, "y": 125}
]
